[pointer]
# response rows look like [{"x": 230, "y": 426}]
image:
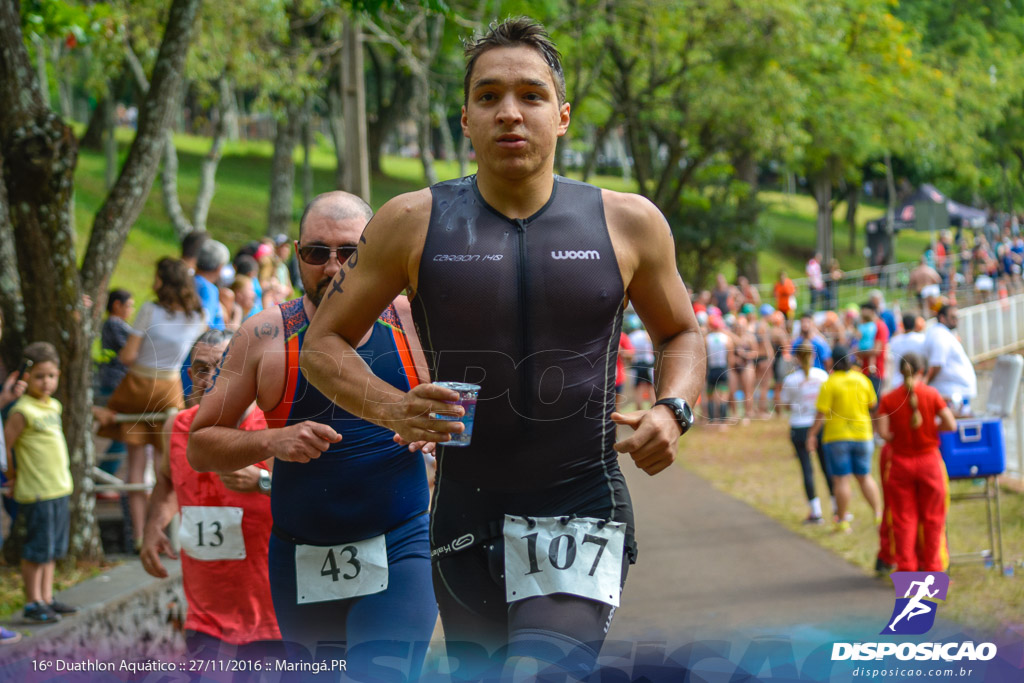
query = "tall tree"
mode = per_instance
[
  {"x": 39, "y": 152},
  {"x": 700, "y": 97}
]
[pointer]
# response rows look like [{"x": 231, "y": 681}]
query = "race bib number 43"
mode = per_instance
[
  {"x": 340, "y": 572},
  {"x": 581, "y": 557},
  {"x": 212, "y": 533}
]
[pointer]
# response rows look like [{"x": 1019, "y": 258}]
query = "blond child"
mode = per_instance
[{"x": 38, "y": 467}]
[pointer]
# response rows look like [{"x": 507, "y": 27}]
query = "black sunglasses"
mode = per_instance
[{"x": 318, "y": 254}]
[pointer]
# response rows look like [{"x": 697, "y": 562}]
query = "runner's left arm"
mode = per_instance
[{"x": 660, "y": 299}]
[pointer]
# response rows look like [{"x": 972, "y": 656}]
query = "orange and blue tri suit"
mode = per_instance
[
  {"x": 362, "y": 489},
  {"x": 364, "y": 485}
]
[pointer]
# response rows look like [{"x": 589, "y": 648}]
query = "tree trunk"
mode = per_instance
[
  {"x": 852, "y": 201},
  {"x": 590, "y": 163},
  {"x": 748, "y": 211},
  {"x": 890, "y": 192},
  {"x": 357, "y": 176},
  {"x": 40, "y": 153},
  {"x": 12, "y": 306},
  {"x": 209, "y": 164},
  {"x": 336, "y": 122},
  {"x": 229, "y": 109},
  {"x": 463, "y": 156},
  {"x": 445, "y": 130},
  {"x": 389, "y": 110},
  {"x": 109, "y": 140},
  {"x": 307, "y": 151},
  {"x": 41, "y": 70},
  {"x": 421, "y": 114},
  {"x": 282, "y": 171},
  {"x": 169, "y": 154},
  {"x": 93, "y": 137},
  {"x": 821, "y": 186},
  {"x": 63, "y": 86}
]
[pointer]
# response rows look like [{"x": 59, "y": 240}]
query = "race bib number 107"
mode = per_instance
[{"x": 581, "y": 557}]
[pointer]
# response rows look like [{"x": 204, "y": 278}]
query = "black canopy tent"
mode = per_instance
[{"x": 959, "y": 214}]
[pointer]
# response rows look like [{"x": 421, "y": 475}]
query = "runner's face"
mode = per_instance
[
  {"x": 324, "y": 231},
  {"x": 204, "y": 365},
  {"x": 512, "y": 113}
]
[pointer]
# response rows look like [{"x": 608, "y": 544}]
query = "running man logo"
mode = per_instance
[{"x": 914, "y": 613}]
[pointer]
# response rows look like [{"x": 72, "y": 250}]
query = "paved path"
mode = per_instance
[{"x": 713, "y": 568}]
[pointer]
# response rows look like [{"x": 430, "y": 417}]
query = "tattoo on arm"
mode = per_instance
[
  {"x": 336, "y": 284},
  {"x": 266, "y": 331},
  {"x": 220, "y": 364},
  {"x": 351, "y": 263}
]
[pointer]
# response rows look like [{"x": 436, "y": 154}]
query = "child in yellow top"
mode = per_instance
[{"x": 38, "y": 467}]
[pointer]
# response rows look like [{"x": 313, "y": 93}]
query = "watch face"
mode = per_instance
[{"x": 686, "y": 413}]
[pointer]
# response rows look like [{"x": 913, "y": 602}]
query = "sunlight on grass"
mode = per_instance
[
  {"x": 756, "y": 464},
  {"x": 239, "y": 210}
]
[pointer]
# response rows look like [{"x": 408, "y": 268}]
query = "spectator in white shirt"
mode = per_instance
[
  {"x": 910, "y": 340},
  {"x": 800, "y": 393},
  {"x": 950, "y": 371},
  {"x": 816, "y": 283}
]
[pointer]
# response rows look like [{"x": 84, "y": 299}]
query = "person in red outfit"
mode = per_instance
[
  {"x": 225, "y": 533},
  {"x": 917, "y": 481}
]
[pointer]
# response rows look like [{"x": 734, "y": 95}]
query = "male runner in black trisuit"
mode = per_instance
[{"x": 518, "y": 280}]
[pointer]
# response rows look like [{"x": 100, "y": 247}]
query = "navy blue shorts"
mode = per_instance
[
  {"x": 46, "y": 527},
  {"x": 397, "y": 622}
]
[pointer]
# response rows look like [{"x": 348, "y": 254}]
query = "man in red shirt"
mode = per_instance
[
  {"x": 785, "y": 295},
  {"x": 225, "y": 532},
  {"x": 873, "y": 359}
]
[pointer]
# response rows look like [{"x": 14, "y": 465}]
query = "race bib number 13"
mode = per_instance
[
  {"x": 212, "y": 533},
  {"x": 325, "y": 573},
  {"x": 578, "y": 557}
]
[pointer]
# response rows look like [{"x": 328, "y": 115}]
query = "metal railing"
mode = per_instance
[
  {"x": 855, "y": 284},
  {"x": 100, "y": 481},
  {"x": 988, "y": 330}
]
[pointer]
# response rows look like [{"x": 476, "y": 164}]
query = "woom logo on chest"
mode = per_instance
[{"x": 589, "y": 255}]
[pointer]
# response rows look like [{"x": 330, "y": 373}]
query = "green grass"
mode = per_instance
[
  {"x": 238, "y": 213},
  {"x": 12, "y": 597},
  {"x": 756, "y": 464}
]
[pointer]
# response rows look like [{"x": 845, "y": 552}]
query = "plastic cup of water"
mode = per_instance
[{"x": 468, "y": 394}]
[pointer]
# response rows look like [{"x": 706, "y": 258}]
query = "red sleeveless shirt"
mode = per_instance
[{"x": 227, "y": 599}]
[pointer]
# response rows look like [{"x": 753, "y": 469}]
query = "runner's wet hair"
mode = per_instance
[{"x": 516, "y": 32}]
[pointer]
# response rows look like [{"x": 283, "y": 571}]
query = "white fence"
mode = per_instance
[{"x": 986, "y": 331}]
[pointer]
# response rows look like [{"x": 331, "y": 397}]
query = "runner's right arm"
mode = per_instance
[
  {"x": 163, "y": 504},
  {"x": 382, "y": 267},
  {"x": 252, "y": 369}
]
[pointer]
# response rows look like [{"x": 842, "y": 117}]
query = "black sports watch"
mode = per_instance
[{"x": 681, "y": 409}]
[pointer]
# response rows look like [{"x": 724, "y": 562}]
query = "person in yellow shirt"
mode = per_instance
[
  {"x": 38, "y": 468},
  {"x": 844, "y": 411}
]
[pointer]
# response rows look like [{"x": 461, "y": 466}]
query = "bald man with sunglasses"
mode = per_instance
[{"x": 349, "y": 558}]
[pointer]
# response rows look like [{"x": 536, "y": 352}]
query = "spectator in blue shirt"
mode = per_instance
[
  {"x": 212, "y": 257},
  {"x": 809, "y": 332}
]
